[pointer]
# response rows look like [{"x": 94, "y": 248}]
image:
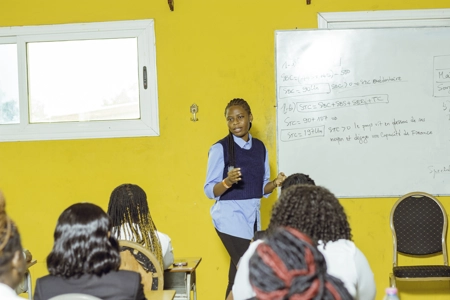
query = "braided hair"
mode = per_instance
[
  {"x": 235, "y": 102},
  {"x": 9, "y": 239},
  {"x": 288, "y": 266},
  {"x": 128, "y": 209},
  {"x": 313, "y": 210}
]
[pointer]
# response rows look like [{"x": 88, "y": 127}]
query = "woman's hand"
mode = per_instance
[
  {"x": 279, "y": 180},
  {"x": 234, "y": 176}
]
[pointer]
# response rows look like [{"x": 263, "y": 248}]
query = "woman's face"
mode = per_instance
[{"x": 238, "y": 121}]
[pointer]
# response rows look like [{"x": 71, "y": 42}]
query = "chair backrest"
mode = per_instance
[
  {"x": 419, "y": 226},
  {"x": 135, "y": 257},
  {"x": 74, "y": 296}
]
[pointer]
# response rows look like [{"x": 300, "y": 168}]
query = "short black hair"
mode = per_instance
[
  {"x": 82, "y": 243},
  {"x": 297, "y": 178}
]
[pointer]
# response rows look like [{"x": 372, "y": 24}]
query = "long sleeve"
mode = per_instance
[
  {"x": 214, "y": 172},
  {"x": 366, "y": 288}
]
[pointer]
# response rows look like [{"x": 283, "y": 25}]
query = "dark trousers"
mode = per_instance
[{"x": 236, "y": 247}]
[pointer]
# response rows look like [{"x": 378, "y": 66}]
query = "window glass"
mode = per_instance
[
  {"x": 9, "y": 85},
  {"x": 77, "y": 81},
  {"x": 87, "y": 80}
]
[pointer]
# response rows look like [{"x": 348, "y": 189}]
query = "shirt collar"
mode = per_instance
[{"x": 243, "y": 144}]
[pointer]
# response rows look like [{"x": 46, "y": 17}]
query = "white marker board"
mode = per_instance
[{"x": 365, "y": 112}]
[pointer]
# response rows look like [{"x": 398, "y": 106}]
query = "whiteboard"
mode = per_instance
[{"x": 365, "y": 112}]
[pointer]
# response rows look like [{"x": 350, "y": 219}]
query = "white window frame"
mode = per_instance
[
  {"x": 147, "y": 125},
  {"x": 384, "y": 18}
]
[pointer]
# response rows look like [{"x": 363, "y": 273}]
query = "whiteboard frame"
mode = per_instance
[{"x": 384, "y": 18}]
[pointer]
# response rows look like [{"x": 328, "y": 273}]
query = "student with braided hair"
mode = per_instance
[
  {"x": 131, "y": 219},
  {"x": 238, "y": 176},
  {"x": 289, "y": 266},
  {"x": 12, "y": 261},
  {"x": 316, "y": 212}
]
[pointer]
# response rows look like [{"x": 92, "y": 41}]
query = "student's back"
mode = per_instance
[
  {"x": 316, "y": 212},
  {"x": 85, "y": 259},
  {"x": 128, "y": 209}
]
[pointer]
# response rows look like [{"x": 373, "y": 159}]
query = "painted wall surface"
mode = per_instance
[{"x": 208, "y": 52}]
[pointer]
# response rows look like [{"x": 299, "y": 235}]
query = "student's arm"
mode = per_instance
[
  {"x": 168, "y": 257},
  {"x": 366, "y": 288},
  {"x": 166, "y": 248}
]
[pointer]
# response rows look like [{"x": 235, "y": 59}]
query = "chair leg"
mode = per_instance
[{"x": 391, "y": 280}]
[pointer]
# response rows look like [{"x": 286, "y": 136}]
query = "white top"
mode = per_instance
[
  {"x": 344, "y": 261},
  {"x": 7, "y": 293},
  {"x": 164, "y": 239}
]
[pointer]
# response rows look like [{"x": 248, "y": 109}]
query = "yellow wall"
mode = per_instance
[{"x": 208, "y": 52}]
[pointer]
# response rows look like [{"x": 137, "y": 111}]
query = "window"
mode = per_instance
[{"x": 73, "y": 81}]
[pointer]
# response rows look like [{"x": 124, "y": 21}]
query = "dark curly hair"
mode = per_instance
[
  {"x": 313, "y": 210},
  {"x": 288, "y": 266},
  {"x": 242, "y": 103},
  {"x": 82, "y": 243},
  {"x": 297, "y": 178}
]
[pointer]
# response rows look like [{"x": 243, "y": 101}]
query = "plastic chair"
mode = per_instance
[
  {"x": 74, "y": 296},
  {"x": 135, "y": 257},
  {"x": 419, "y": 227}
]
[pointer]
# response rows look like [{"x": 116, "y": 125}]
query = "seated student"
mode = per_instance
[
  {"x": 274, "y": 275},
  {"x": 12, "y": 261},
  {"x": 85, "y": 259},
  {"x": 316, "y": 212},
  {"x": 128, "y": 209},
  {"x": 296, "y": 178}
]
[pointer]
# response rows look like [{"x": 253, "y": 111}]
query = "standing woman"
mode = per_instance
[{"x": 238, "y": 176}]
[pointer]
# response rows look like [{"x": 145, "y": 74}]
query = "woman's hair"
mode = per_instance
[
  {"x": 297, "y": 178},
  {"x": 288, "y": 266},
  {"x": 9, "y": 239},
  {"x": 313, "y": 210},
  {"x": 128, "y": 209},
  {"x": 83, "y": 244},
  {"x": 246, "y": 107}
]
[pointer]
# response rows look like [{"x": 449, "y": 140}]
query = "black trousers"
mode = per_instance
[{"x": 236, "y": 247}]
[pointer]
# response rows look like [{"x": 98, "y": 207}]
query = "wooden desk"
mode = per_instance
[
  {"x": 182, "y": 279},
  {"x": 160, "y": 295}
]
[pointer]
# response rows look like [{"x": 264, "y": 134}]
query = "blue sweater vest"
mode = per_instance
[{"x": 251, "y": 163}]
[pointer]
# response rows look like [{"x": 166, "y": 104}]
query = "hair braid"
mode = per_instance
[
  {"x": 288, "y": 266},
  {"x": 128, "y": 209}
]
